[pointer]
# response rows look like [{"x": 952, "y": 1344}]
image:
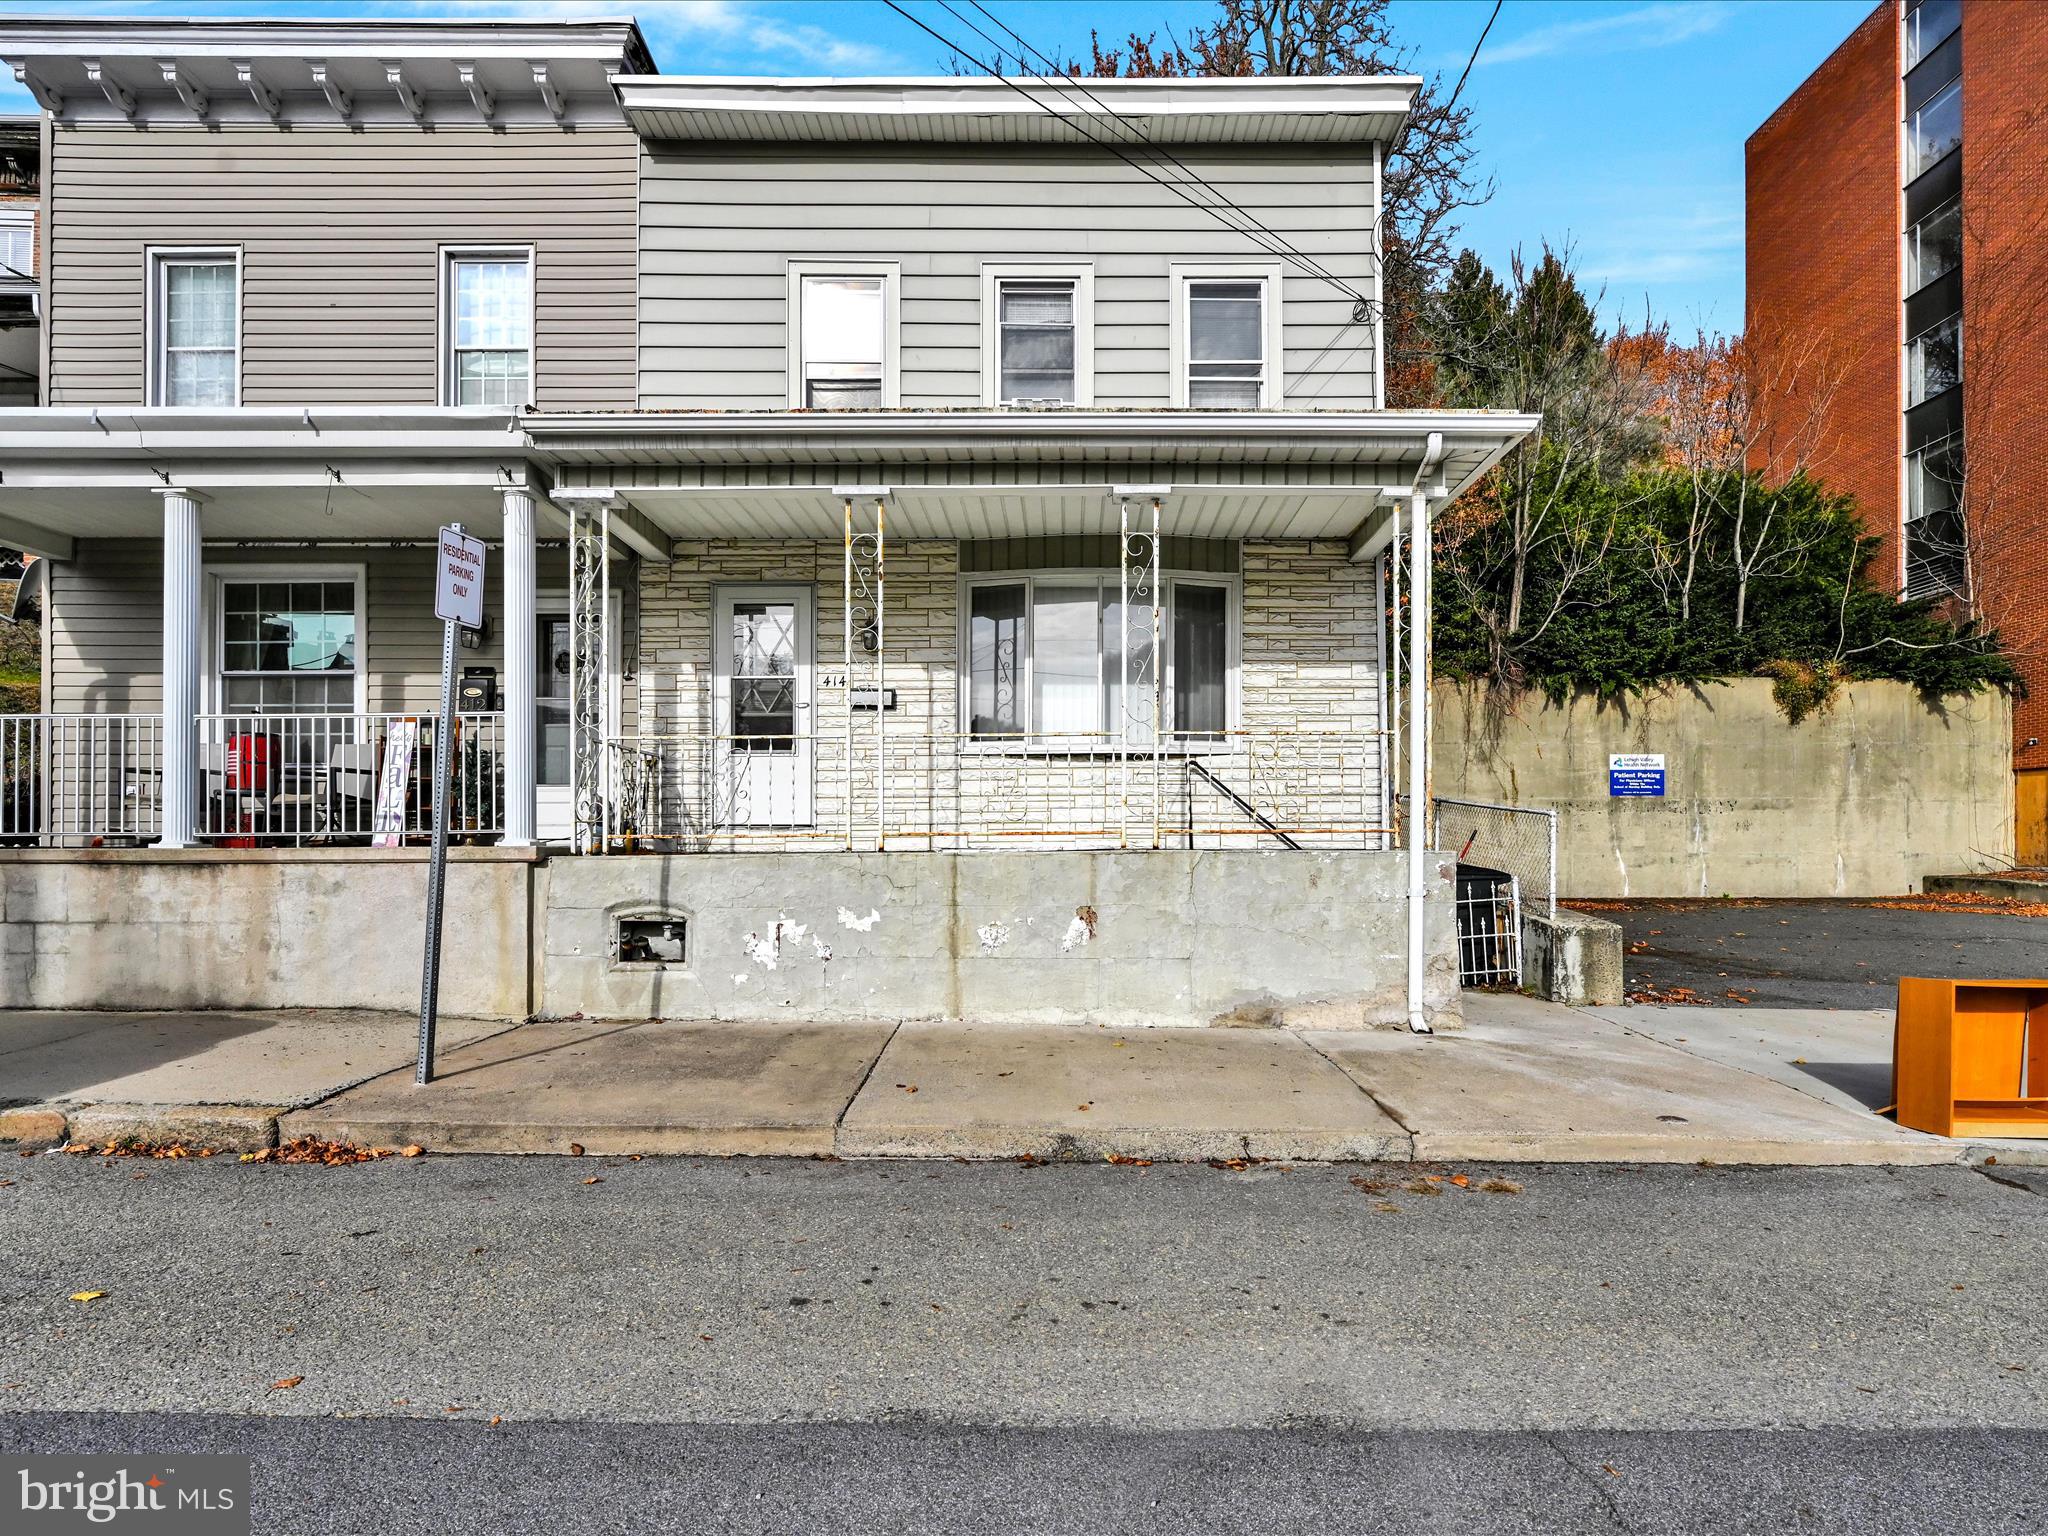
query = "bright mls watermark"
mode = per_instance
[{"x": 163, "y": 1495}]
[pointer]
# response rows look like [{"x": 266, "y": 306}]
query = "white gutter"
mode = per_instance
[{"x": 1418, "y": 729}]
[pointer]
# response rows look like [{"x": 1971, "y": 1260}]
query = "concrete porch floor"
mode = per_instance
[{"x": 1523, "y": 1081}]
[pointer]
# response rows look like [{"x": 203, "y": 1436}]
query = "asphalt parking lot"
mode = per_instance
[{"x": 1819, "y": 954}]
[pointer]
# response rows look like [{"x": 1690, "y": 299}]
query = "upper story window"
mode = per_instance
[
  {"x": 1226, "y": 338},
  {"x": 1934, "y": 246},
  {"x": 1928, "y": 25},
  {"x": 844, "y": 323},
  {"x": 17, "y": 242},
  {"x": 1934, "y": 128},
  {"x": 1045, "y": 656},
  {"x": 488, "y": 304},
  {"x": 1934, "y": 360},
  {"x": 1037, "y": 322},
  {"x": 195, "y": 327}
]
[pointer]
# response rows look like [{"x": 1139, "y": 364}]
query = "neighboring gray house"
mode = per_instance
[{"x": 993, "y": 540}]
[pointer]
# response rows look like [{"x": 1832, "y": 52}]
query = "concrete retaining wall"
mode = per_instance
[
  {"x": 1223, "y": 936},
  {"x": 260, "y": 928},
  {"x": 1865, "y": 799}
]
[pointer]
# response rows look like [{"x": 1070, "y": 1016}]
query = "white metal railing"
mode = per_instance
[
  {"x": 80, "y": 779},
  {"x": 693, "y": 791},
  {"x": 275, "y": 778}
]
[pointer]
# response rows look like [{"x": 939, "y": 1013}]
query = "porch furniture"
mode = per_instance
[{"x": 1970, "y": 1058}]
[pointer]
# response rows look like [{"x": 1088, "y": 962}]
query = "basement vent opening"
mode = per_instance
[{"x": 650, "y": 940}]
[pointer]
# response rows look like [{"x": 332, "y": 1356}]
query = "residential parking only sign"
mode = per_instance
[{"x": 1632, "y": 775}]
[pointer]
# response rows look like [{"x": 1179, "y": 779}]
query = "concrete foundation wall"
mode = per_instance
[
  {"x": 257, "y": 928},
  {"x": 1205, "y": 937},
  {"x": 1865, "y": 799}
]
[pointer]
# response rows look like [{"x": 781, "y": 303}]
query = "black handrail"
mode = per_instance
[{"x": 1201, "y": 769}]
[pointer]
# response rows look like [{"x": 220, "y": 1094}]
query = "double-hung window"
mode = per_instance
[
  {"x": 1226, "y": 339},
  {"x": 17, "y": 242},
  {"x": 488, "y": 327},
  {"x": 843, "y": 322},
  {"x": 1049, "y": 657},
  {"x": 289, "y": 644},
  {"x": 195, "y": 327},
  {"x": 1038, "y": 337}
]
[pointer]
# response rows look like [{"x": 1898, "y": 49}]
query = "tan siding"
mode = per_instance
[
  {"x": 720, "y": 224},
  {"x": 340, "y": 233},
  {"x": 106, "y": 632}
]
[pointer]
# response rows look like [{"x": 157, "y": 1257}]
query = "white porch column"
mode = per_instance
[
  {"x": 183, "y": 558},
  {"x": 521, "y": 657}
]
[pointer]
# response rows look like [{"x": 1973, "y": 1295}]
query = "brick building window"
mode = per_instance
[{"x": 1937, "y": 549}]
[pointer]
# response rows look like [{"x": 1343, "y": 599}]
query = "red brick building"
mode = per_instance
[{"x": 1898, "y": 277}]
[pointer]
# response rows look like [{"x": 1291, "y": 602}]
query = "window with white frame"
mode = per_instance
[
  {"x": 1226, "y": 343},
  {"x": 1935, "y": 360},
  {"x": 1038, "y": 335},
  {"x": 17, "y": 242},
  {"x": 843, "y": 350},
  {"x": 289, "y": 646},
  {"x": 488, "y": 303},
  {"x": 195, "y": 327},
  {"x": 1046, "y": 657}
]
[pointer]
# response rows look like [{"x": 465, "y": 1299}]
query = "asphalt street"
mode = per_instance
[
  {"x": 1813, "y": 954},
  {"x": 455, "y": 1344}
]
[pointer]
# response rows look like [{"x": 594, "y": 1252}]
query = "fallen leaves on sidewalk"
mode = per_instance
[
  {"x": 1667, "y": 997},
  {"x": 286, "y": 1383},
  {"x": 1122, "y": 1161},
  {"x": 87, "y": 1295},
  {"x": 130, "y": 1147},
  {"x": 1967, "y": 903},
  {"x": 1501, "y": 1187},
  {"x": 593, "y": 1179}
]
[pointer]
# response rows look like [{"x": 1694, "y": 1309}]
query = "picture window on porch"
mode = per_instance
[
  {"x": 288, "y": 647},
  {"x": 195, "y": 327},
  {"x": 488, "y": 327},
  {"x": 1045, "y": 658}
]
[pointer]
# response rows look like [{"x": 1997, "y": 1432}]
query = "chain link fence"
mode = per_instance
[{"x": 1519, "y": 840}]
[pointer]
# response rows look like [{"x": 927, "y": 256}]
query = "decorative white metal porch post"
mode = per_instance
[
  {"x": 1139, "y": 552},
  {"x": 522, "y": 650},
  {"x": 184, "y": 555},
  {"x": 590, "y": 623},
  {"x": 863, "y": 620}
]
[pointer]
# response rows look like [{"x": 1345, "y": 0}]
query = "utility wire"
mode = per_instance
[
  {"x": 1068, "y": 85},
  {"x": 1475, "y": 56},
  {"x": 1278, "y": 249}
]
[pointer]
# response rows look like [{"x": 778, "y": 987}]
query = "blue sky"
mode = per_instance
[{"x": 1614, "y": 125}]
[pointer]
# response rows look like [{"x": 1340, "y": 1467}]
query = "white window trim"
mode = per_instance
[
  {"x": 1233, "y": 627},
  {"x": 891, "y": 273},
  {"x": 212, "y": 684},
  {"x": 1273, "y": 391},
  {"x": 444, "y": 345},
  {"x": 993, "y": 275},
  {"x": 154, "y": 258},
  {"x": 21, "y": 216}
]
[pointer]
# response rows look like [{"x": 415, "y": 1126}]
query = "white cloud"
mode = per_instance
[
  {"x": 1648, "y": 26},
  {"x": 758, "y": 36}
]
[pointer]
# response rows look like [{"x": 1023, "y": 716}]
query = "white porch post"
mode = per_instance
[
  {"x": 183, "y": 558},
  {"x": 1418, "y": 726},
  {"x": 521, "y": 658}
]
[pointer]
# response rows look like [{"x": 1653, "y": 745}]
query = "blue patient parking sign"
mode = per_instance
[{"x": 1634, "y": 774}]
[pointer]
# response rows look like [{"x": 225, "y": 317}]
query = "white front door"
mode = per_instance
[{"x": 761, "y": 641}]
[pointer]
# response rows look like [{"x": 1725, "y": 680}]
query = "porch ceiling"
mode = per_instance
[{"x": 997, "y": 513}]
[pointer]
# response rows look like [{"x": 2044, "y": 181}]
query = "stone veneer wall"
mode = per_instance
[{"x": 1309, "y": 678}]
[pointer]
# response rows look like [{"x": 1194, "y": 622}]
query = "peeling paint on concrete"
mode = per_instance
[
  {"x": 992, "y": 937},
  {"x": 859, "y": 924},
  {"x": 1080, "y": 929},
  {"x": 820, "y": 948},
  {"x": 761, "y": 951}
]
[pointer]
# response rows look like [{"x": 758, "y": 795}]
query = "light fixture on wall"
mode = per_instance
[{"x": 473, "y": 639}]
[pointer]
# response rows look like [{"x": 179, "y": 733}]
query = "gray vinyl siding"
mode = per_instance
[
  {"x": 106, "y": 622},
  {"x": 720, "y": 225},
  {"x": 339, "y": 233}
]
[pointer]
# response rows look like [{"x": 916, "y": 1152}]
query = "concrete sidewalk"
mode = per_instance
[{"x": 1525, "y": 1081}]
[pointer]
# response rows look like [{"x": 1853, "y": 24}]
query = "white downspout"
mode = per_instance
[{"x": 1418, "y": 723}]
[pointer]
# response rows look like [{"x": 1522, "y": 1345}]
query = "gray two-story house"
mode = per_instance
[{"x": 980, "y": 511}]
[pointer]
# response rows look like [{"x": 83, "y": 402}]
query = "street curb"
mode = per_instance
[
  {"x": 1062, "y": 1144},
  {"x": 227, "y": 1127},
  {"x": 36, "y": 1124}
]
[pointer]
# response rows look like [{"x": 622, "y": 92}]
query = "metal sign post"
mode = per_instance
[{"x": 458, "y": 603}]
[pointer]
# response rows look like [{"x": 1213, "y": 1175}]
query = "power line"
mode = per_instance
[
  {"x": 1278, "y": 248},
  {"x": 1069, "y": 84},
  {"x": 1475, "y": 56}
]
